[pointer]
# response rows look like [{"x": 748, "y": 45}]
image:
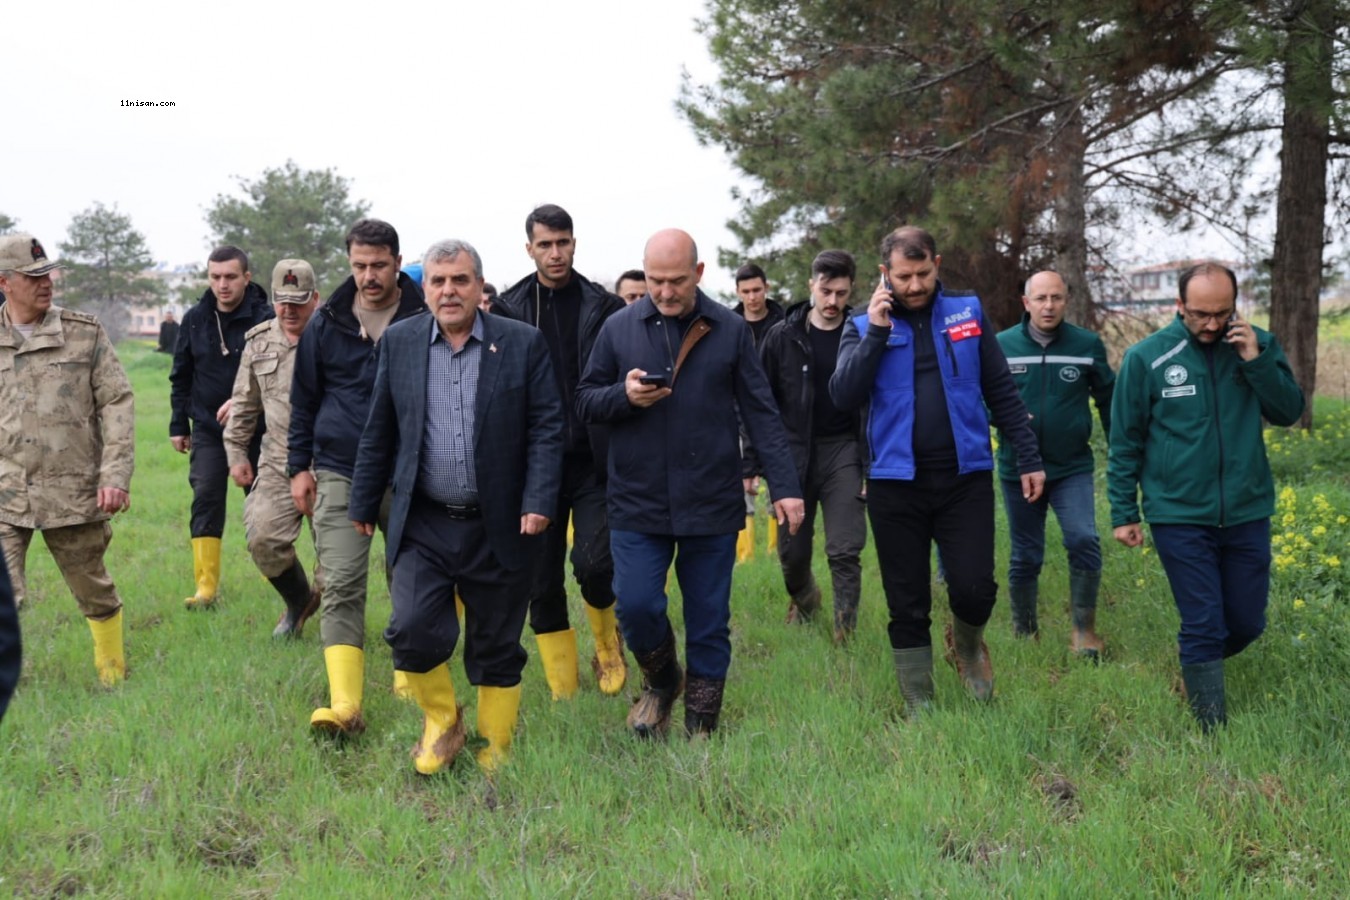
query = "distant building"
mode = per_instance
[{"x": 1154, "y": 288}]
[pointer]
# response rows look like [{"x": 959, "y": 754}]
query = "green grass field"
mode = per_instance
[{"x": 199, "y": 776}]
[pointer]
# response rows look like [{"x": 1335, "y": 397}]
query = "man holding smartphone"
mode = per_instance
[
  {"x": 925, "y": 359},
  {"x": 1186, "y": 434}
]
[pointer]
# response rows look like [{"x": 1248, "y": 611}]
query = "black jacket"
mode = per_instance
[
  {"x": 202, "y": 377},
  {"x": 773, "y": 312},
  {"x": 597, "y": 304},
  {"x": 334, "y": 373},
  {"x": 785, "y": 354}
]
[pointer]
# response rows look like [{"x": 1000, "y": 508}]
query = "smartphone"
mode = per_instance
[{"x": 656, "y": 380}]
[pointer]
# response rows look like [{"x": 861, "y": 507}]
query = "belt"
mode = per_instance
[{"x": 451, "y": 510}]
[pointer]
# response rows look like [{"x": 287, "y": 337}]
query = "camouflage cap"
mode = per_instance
[
  {"x": 21, "y": 252},
  {"x": 292, "y": 281}
]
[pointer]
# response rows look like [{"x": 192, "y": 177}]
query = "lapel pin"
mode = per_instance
[{"x": 492, "y": 348}]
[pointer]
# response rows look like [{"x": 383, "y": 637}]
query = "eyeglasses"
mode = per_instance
[{"x": 1217, "y": 318}]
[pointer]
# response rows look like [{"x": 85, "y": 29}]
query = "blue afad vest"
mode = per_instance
[{"x": 890, "y": 426}]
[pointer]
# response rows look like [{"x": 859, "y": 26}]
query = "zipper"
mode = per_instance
[{"x": 1218, "y": 430}]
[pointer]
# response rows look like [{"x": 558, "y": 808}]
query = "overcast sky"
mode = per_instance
[{"x": 450, "y": 119}]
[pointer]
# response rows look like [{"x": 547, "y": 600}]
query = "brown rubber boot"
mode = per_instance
[{"x": 967, "y": 651}]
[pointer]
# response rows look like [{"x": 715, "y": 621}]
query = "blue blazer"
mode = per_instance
[{"x": 517, "y": 440}]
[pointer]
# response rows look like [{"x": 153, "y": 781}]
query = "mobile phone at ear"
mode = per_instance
[{"x": 656, "y": 380}]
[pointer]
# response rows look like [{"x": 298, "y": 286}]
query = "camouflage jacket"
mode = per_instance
[
  {"x": 262, "y": 388},
  {"x": 67, "y": 425}
]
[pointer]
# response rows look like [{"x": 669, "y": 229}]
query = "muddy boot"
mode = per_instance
[
  {"x": 803, "y": 608},
  {"x": 967, "y": 651},
  {"x": 662, "y": 683},
  {"x": 702, "y": 706},
  {"x": 293, "y": 587},
  {"x": 845, "y": 620},
  {"x": 1083, "y": 587},
  {"x": 914, "y": 671},
  {"x": 1022, "y": 599},
  {"x": 1205, "y": 692}
]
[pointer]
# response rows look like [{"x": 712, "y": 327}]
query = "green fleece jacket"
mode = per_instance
[
  {"x": 1186, "y": 429},
  {"x": 1056, "y": 382}
]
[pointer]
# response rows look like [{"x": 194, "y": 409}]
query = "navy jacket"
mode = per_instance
[
  {"x": 11, "y": 649},
  {"x": 517, "y": 438},
  {"x": 202, "y": 377},
  {"x": 334, "y": 372},
  {"x": 675, "y": 467}
]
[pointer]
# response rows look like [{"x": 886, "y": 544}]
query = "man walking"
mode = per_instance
[
  {"x": 570, "y": 310},
  {"x": 799, "y": 356},
  {"x": 205, "y": 362},
  {"x": 330, "y": 398},
  {"x": 1186, "y": 434},
  {"x": 761, "y": 314},
  {"x": 466, "y": 419},
  {"x": 67, "y": 442},
  {"x": 668, "y": 374},
  {"x": 1058, "y": 368},
  {"x": 924, "y": 359},
  {"x": 262, "y": 389}
]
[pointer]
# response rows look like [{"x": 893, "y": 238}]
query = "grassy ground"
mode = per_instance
[{"x": 199, "y": 776}]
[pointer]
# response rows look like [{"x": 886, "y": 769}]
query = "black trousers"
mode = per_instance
[
  {"x": 956, "y": 512},
  {"x": 439, "y": 556},
  {"x": 209, "y": 475},
  {"x": 583, "y": 497}
]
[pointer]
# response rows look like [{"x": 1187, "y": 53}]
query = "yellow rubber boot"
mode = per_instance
[
  {"x": 609, "y": 664},
  {"x": 109, "y": 660},
  {"x": 443, "y": 722},
  {"x": 771, "y": 539},
  {"x": 745, "y": 541},
  {"x": 346, "y": 682},
  {"x": 498, "y": 708},
  {"x": 459, "y": 608},
  {"x": 206, "y": 568},
  {"x": 558, "y": 653},
  {"x": 403, "y": 690}
]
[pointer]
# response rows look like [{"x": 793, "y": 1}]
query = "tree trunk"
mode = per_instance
[
  {"x": 1300, "y": 211},
  {"x": 1071, "y": 222}
]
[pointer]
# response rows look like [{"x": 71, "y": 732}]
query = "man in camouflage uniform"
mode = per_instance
[
  {"x": 66, "y": 442},
  {"x": 263, "y": 388}
]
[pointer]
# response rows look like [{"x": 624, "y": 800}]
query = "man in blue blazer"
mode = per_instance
[{"x": 466, "y": 422}]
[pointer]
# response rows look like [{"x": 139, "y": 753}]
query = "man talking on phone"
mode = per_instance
[
  {"x": 927, "y": 361},
  {"x": 1186, "y": 434}
]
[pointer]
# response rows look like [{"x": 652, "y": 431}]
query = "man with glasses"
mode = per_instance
[
  {"x": 1186, "y": 434},
  {"x": 1058, "y": 368}
]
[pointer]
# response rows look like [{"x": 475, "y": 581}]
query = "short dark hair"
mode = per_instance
[
  {"x": 373, "y": 233},
  {"x": 226, "y": 252},
  {"x": 750, "y": 271},
  {"x": 490, "y": 289},
  {"x": 550, "y": 215},
  {"x": 630, "y": 275},
  {"x": 912, "y": 242},
  {"x": 834, "y": 264},
  {"x": 1208, "y": 267}
]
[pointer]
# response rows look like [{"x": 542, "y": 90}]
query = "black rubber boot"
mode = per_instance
[
  {"x": 702, "y": 706},
  {"x": 1205, "y": 692},
  {"x": 662, "y": 683},
  {"x": 1083, "y": 587},
  {"x": 914, "y": 671},
  {"x": 1022, "y": 599},
  {"x": 293, "y": 587},
  {"x": 803, "y": 608}
]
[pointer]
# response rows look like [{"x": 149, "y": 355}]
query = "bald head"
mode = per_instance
[
  {"x": 670, "y": 260},
  {"x": 1046, "y": 298}
]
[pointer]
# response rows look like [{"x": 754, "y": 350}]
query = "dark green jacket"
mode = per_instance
[
  {"x": 1056, "y": 383},
  {"x": 1186, "y": 430}
]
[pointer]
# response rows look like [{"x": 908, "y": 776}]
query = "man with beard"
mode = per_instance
[
  {"x": 330, "y": 398},
  {"x": 799, "y": 356}
]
